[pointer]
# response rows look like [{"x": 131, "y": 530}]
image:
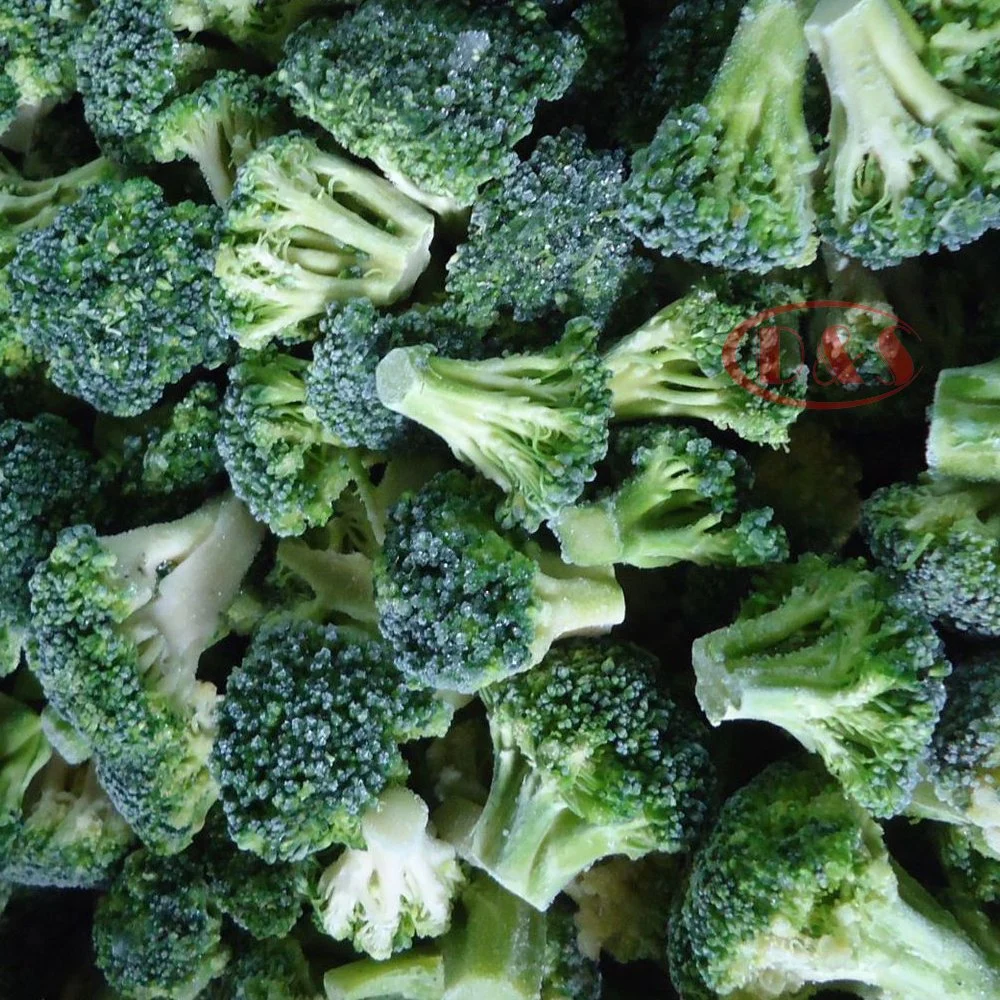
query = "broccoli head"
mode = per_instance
[{"x": 264, "y": 970}]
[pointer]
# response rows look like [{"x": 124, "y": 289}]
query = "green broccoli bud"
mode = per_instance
[
  {"x": 264, "y": 970},
  {"x": 961, "y": 441},
  {"x": 971, "y": 864},
  {"x": 727, "y": 182},
  {"x": 464, "y": 603},
  {"x": 567, "y": 974},
  {"x": 305, "y": 228},
  {"x": 263, "y": 25},
  {"x": 831, "y": 653},
  {"x": 679, "y": 498},
  {"x": 911, "y": 166}
]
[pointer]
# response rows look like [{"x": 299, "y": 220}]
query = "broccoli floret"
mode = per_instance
[
  {"x": 118, "y": 626},
  {"x": 567, "y": 974},
  {"x": 794, "y": 888},
  {"x": 464, "y": 603},
  {"x": 398, "y": 887},
  {"x": 971, "y": 863},
  {"x": 305, "y": 228},
  {"x": 673, "y": 365},
  {"x": 114, "y": 294},
  {"x": 158, "y": 931},
  {"x": 263, "y": 25},
  {"x": 831, "y": 653},
  {"x": 264, "y": 970},
  {"x": 283, "y": 462},
  {"x": 941, "y": 538},
  {"x": 355, "y": 336},
  {"x": 679, "y": 498},
  {"x": 962, "y": 440},
  {"x": 534, "y": 424},
  {"x": 24, "y": 751},
  {"x": 297, "y": 776},
  {"x": 218, "y": 126},
  {"x": 911, "y": 166},
  {"x": 560, "y": 210},
  {"x": 435, "y": 92},
  {"x": 728, "y": 181},
  {"x": 641, "y": 778}
]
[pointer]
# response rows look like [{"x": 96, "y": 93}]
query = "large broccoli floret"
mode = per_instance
[
  {"x": 794, "y": 889},
  {"x": 436, "y": 92},
  {"x": 728, "y": 181},
  {"x": 24, "y": 751},
  {"x": 297, "y": 776},
  {"x": 674, "y": 364},
  {"x": 911, "y": 166},
  {"x": 114, "y": 294},
  {"x": 158, "y": 931},
  {"x": 283, "y": 462},
  {"x": 679, "y": 498},
  {"x": 398, "y": 887},
  {"x": 464, "y": 603},
  {"x": 941, "y": 538},
  {"x": 640, "y": 777},
  {"x": 534, "y": 424},
  {"x": 119, "y": 624},
  {"x": 305, "y": 228},
  {"x": 831, "y": 653},
  {"x": 560, "y": 210}
]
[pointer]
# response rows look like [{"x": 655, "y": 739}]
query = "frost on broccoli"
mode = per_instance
[
  {"x": 534, "y": 424},
  {"x": 831, "y": 653},
  {"x": 962, "y": 439},
  {"x": 727, "y": 181},
  {"x": 119, "y": 624},
  {"x": 912, "y": 167},
  {"x": 264, "y": 970},
  {"x": 678, "y": 497},
  {"x": 399, "y": 886},
  {"x": 305, "y": 228},
  {"x": 463, "y": 602},
  {"x": 435, "y": 92}
]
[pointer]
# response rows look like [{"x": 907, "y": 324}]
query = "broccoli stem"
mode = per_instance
[
  {"x": 213, "y": 156},
  {"x": 24, "y": 751},
  {"x": 410, "y": 976},
  {"x": 963, "y": 426},
  {"x": 343, "y": 582}
]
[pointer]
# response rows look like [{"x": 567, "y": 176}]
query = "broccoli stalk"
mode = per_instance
[
  {"x": 534, "y": 424},
  {"x": 24, "y": 751},
  {"x": 962, "y": 437}
]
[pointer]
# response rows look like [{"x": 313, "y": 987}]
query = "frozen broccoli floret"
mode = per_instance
[
  {"x": 962, "y": 440},
  {"x": 264, "y": 970}
]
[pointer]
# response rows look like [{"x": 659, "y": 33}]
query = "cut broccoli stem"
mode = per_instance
[
  {"x": 964, "y": 421},
  {"x": 24, "y": 751},
  {"x": 411, "y": 977}
]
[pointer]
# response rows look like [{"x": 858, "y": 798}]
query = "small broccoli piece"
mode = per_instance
[
  {"x": 283, "y": 462},
  {"x": 264, "y": 970},
  {"x": 114, "y": 294},
  {"x": 794, "y": 888},
  {"x": 673, "y": 365},
  {"x": 47, "y": 481},
  {"x": 464, "y": 603},
  {"x": 305, "y": 228},
  {"x": 398, "y": 887},
  {"x": 831, "y": 653},
  {"x": 435, "y": 92},
  {"x": 641, "y": 779},
  {"x": 962, "y": 441},
  {"x": 355, "y": 336},
  {"x": 297, "y": 776},
  {"x": 119, "y": 624},
  {"x": 24, "y": 751},
  {"x": 560, "y": 210},
  {"x": 534, "y": 424},
  {"x": 567, "y": 974},
  {"x": 64, "y": 739},
  {"x": 158, "y": 931},
  {"x": 679, "y": 498},
  {"x": 911, "y": 166},
  {"x": 941, "y": 538},
  {"x": 972, "y": 865},
  {"x": 728, "y": 181},
  {"x": 263, "y": 25},
  {"x": 218, "y": 126}
]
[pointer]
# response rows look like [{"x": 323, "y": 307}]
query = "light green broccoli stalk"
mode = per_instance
[
  {"x": 962, "y": 440},
  {"x": 727, "y": 181},
  {"x": 534, "y": 424},
  {"x": 398, "y": 887},
  {"x": 24, "y": 751},
  {"x": 831, "y": 653},
  {"x": 305, "y": 228}
]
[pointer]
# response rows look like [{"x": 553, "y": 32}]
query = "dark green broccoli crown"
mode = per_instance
[
  {"x": 727, "y": 181},
  {"x": 340, "y": 383},
  {"x": 284, "y": 464},
  {"x": 47, "y": 481},
  {"x": 437, "y": 92},
  {"x": 114, "y": 294},
  {"x": 567, "y": 973},
  {"x": 264, "y": 970},
  {"x": 560, "y": 210},
  {"x": 158, "y": 932},
  {"x": 455, "y": 594},
  {"x": 592, "y": 719},
  {"x": 942, "y": 539},
  {"x": 296, "y": 776}
]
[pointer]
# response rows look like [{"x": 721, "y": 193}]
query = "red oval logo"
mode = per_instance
[{"x": 833, "y": 369}]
